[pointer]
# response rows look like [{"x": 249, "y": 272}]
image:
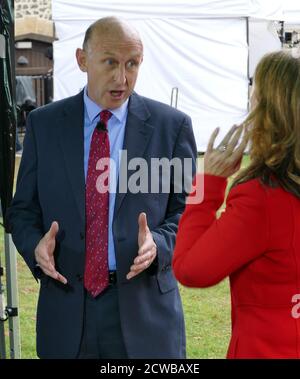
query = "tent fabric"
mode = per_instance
[
  {"x": 291, "y": 12},
  {"x": 141, "y": 9},
  {"x": 199, "y": 47},
  {"x": 263, "y": 38},
  {"x": 205, "y": 60}
]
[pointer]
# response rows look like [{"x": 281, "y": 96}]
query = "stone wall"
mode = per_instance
[
  {"x": 34, "y": 20},
  {"x": 38, "y": 8}
]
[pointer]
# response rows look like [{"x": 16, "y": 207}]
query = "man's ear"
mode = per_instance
[{"x": 81, "y": 59}]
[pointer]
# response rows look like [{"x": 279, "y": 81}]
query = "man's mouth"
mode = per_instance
[{"x": 116, "y": 94}]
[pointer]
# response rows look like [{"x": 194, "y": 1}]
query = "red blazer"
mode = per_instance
[{"x": 256, "y": 241}]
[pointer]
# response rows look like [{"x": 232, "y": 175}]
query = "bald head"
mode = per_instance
[
  {"x": 110, "y": 29},
  {"x": 111, "y": 56}
]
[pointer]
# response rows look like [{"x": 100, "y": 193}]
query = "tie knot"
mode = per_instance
[{"x": 105, "y": 115}]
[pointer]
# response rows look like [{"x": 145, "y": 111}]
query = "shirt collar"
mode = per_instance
[{"x": 94, "y": 109}]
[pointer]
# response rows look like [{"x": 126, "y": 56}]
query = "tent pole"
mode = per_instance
[
  {"x": 174, "y": 97},
  {"x": 2, "y": 316},
  {"x": 11, "y": 311},
  {"x": 248, "y": 62},
  {"x": 282, "y": 34},
  {"x": 12, "y": 297}
]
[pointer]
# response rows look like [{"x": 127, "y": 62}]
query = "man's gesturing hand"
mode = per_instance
[
  {"x": 44, "y": 254},
  {"x": 147, "y": 249}
]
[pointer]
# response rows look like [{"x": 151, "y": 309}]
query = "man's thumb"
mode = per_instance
[
  {"x": 143, "y": 222},
  {"x": 53, "y": 229}
]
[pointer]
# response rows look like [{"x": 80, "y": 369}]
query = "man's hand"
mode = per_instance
[
  {"x": 147, "y": 249},
  {"x": 44, "y": 254}
]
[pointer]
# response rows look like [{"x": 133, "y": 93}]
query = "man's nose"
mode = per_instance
[{"x": 120, "y": 75}]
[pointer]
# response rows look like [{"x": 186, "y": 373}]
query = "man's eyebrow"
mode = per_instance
[{"x": 109, "y": 53}]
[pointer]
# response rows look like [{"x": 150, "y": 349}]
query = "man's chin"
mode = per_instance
[{"x": 115, "y": 103}]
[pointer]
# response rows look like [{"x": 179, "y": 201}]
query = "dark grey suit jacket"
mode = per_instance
[{"x": 51, "y": 186}]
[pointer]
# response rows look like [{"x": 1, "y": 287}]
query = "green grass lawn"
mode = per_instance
[
  {"x": 28, "y": 291},
  {"x": 207, "y": 314}
]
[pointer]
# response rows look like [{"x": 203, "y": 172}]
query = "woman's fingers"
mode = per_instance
[
  {"x": 234, "y": 140},
  {"x": 212, "y": 139},
  {"x": 240, "y": 149},
  {"x": 225, "y": 162},
  {"x": 230, "y": 142},
  {"x": 228, "y": 136}
]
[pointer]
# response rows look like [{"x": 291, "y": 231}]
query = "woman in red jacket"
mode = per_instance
[{"x": 256, "y": 241}]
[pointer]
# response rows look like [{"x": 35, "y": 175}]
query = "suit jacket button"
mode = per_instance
[
  {"x": 79, "y": 277},
  {"x": 81, "y": 235}
]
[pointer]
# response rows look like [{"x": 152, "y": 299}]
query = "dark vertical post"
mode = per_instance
[{"x": 8, "y": 125}]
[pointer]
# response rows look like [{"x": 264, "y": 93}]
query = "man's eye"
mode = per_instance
[
  {"x": 131, "y": 64},
  {"x": 109, "y": 62}
]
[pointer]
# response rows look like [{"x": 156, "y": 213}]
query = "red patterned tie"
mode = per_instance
[{"x": 96, "y": 261}]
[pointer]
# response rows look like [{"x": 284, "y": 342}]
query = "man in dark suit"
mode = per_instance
[{"x": 103, "y": 257}]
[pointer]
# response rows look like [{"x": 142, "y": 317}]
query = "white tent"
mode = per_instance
[
  {"x": 291, "y": 17},
  {"x": 197, "y": 46},
  {"x": 291, "y": 12}
]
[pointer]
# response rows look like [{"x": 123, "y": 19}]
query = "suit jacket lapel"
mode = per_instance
[
  {"x": 72, "y": 145},
  {"x": 137, "y": 136}
]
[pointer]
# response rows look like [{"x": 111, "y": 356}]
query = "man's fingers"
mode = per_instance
[
  {"x": 136, "y": 271},
  {"x": 48, "y": 268},
  {"x": 140, "y": 267},
  {"x": 51, "y": 259},
  {"x": 141, "y": 263},
  {"x": 144, "y": 257},
  {"x": 147, "y": 246},
  {"x": 44, "y": 254},
  {"x": 55, "y": 275},
  {"x": 61, "y": 278},
  {"x": 45, "y": 261},
  {"x": 131, "y": 274}
]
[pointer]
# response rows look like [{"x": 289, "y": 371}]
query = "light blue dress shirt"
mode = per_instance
[{"x": 116, "y": 132}]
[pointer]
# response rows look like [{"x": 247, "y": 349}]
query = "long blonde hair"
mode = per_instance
[{"x": 274, "y": 124}]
